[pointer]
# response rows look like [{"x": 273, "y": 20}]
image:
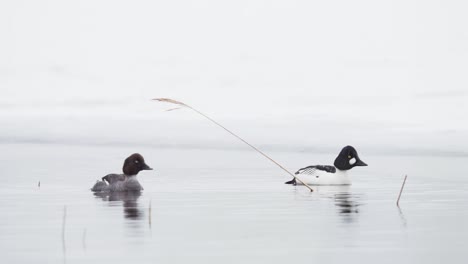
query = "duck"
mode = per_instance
[
  {"x": 123, "y": 182},
  {"x": 337, "y": 174}
]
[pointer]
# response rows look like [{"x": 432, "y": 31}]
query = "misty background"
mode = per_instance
[{"x": 384, "y": 76}]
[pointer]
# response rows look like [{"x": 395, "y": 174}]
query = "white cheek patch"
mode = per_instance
[{"x": 352, "y": 161}]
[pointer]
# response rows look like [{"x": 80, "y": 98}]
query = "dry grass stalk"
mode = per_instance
[
  {"x": 172, "y": 109},
  {"x": 401, "y": 190},
  {"x": 149, "y": 214},
  {"x": 171, "y": 101},
  {"x": 167, "y": 100}
]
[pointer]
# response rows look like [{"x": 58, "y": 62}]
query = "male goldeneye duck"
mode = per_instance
[
  {"x": 123, "y": 182},
  {"x": 331, "y": 175}
]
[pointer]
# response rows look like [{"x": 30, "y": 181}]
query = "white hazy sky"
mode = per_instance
[{"x": 381, "y": 74}]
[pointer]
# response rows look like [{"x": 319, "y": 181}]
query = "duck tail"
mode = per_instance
[
  {"x": 99, "y": 186},
  {"x": 293, "y": 181}
]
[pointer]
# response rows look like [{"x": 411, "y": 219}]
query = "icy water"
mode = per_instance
[{"x": 215, "y": 206}]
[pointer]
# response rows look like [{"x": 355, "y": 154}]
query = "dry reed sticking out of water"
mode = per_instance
[
  {"x": 172, "y": 101},
  {"x": 149, "y": 215},
  {"x": 401, "y": 190},
  {"x": 39, "y": 184}
]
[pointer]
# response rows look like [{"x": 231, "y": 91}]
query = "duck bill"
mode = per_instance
[
  {"x": 360, "y": 163},
  {"x": 146, "y": 167}
]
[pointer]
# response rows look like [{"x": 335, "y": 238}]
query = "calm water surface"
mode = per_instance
[{"x": 213, "y": 206}]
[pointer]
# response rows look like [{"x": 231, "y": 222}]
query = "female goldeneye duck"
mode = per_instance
[
  {"x": 331, "y": 175},
  {"x": 123, "y": 182}
]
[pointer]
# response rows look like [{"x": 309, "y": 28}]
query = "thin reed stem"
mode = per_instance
[
  {"x": 149, "y": 215},
  {"x": 238, "y": 137},
  {"x": 401, "y": 190}
]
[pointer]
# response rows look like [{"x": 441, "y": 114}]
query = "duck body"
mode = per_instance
[
  {"x": 330, "y": 175},
  {"x": 317, "y": 175},
  {"x": 123, "y": 182}
]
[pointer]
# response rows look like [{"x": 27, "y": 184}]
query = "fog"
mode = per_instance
[{"x": 383, "y": 76}]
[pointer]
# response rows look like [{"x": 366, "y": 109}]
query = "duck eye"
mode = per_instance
[
  {"x": 136, "y": 161},
  {"x": 349, "y": 156}
]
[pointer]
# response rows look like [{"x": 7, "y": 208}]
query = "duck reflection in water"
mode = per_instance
[
  {"x": 129, "y": 199},
  {"x": 347, "y": 203}
]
